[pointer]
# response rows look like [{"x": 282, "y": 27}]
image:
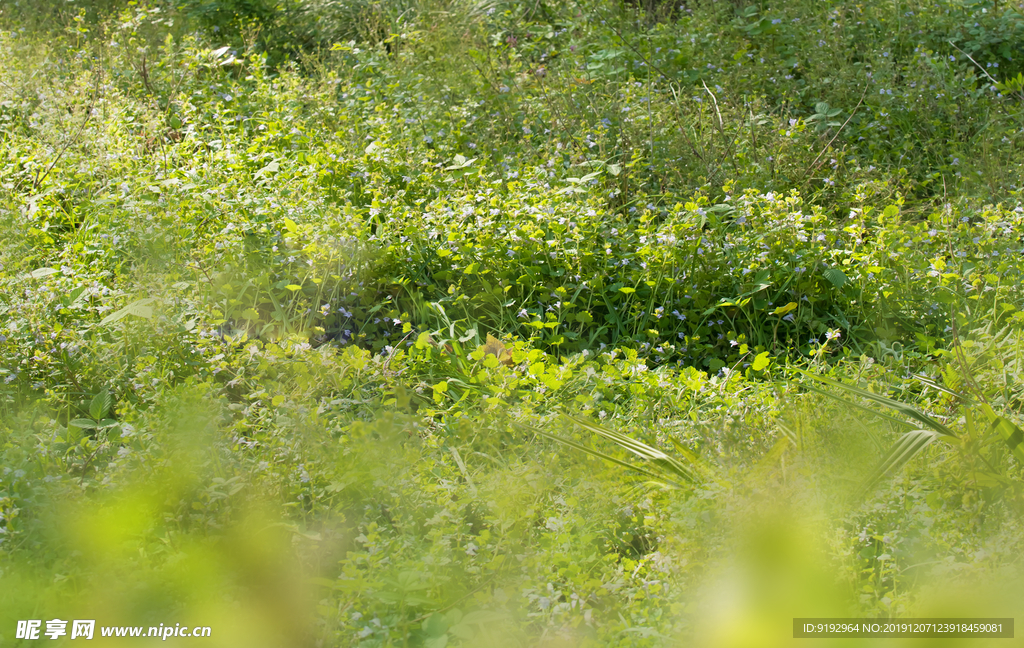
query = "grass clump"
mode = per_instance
[{"x": 437, "y": 324}]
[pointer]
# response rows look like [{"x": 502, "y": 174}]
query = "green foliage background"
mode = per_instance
[{"x": 340, "y": 323}]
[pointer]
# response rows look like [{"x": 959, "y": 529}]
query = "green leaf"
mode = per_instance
[
  {"x": 836, "y": 277},
  {"x": 436, "y": 625},
  {"x": 99, "y": 405},
  {"x": 910, "y": 445},
  {"x": 460, "y": 162},
  {"x": 141, "y": 308},
  {"x": 436, "y": 642},
  {"x": 760, "y": 361},
  {"x": 138, "y": 308},
  {"x": 40, "y": 273},
  {"x": 1011, "y": 434},
  {"x": 83, "y": 423}
]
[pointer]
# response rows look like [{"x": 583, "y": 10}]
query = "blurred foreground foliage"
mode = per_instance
[{"x": 499, "y": 323}]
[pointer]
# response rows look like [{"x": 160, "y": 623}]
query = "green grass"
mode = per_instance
[{"x": 460, "y": 323}]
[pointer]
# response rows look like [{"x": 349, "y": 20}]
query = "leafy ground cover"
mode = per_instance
[{"x": 433, "y": 324}]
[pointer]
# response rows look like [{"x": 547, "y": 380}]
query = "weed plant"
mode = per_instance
[{"x": 509, "y": 323}]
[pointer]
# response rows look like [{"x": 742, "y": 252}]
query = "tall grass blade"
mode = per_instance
[
  {"x": 908, "y": 447},
  {"x": 902, "y": 408},
  {"x": 669, "y": 464},
  {"x": 925, "y": 380},
  {"x": 891, "y": 419},
  {"x": 600, "y": 455}
]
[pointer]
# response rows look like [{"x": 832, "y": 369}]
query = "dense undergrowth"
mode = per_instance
[{"x": 306, "y": 303}]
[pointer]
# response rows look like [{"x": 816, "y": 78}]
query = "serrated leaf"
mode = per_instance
[
  {"x": 99, "y": 405},
  {"x": 836, "y": 277},
  {"x": 141, "y": 308},
  {"x": 83, "y": 423},
  {"x": 138, "y": 308}
]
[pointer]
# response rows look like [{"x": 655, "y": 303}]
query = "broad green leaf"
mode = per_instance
[
  {"x": 782, "y": 310},
  {"x": 99, "y": 405},
  {"x": 835, "y": 276},
  {"x": 42, "y": 272},
  {"x": 138, "y": 308},
  {"x": 760, "y": 361},
  {"x": 1011, "y": 434},
  {"x": 436, "y": 642},
  {"x": 141, "y": 308},
  {"x": 84, "y": 423},
  {"x": 435, "y": 625}
]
